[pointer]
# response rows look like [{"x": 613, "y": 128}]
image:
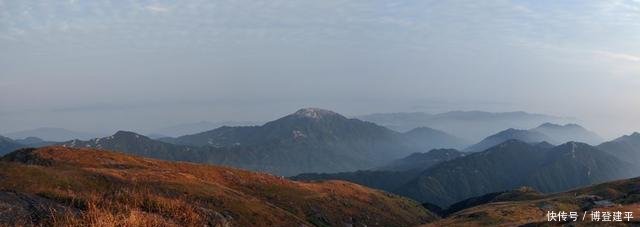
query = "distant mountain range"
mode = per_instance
[
  {"x": 470, "y": 125},
  {"x": 569, "y": 132},
  {"x": 514, "y": 164},
  {"x": 507, "y": 166},
  {"x": 57, "y": 186},
  {"x": 427, "y": 138},
  {"x": 8, "y": 145},
  {"x": 81, "y": 186},
  {"x": 445, "y": 173},
  {"x": 625, "y": 148},
  {"x": 34, "y": 142},
  {"x": 53, "y": 134},
  {"x": 197, "y": 127},
  {"x": 547, "y": 132},
  {"x": 132, "y": 143},
  {"x": 390, "y": 176},
  {"x": 423, "y": 163},
  {"x": 526, "y": 136},
  {"x": 317, "y": 141},
  {"x": 309, "y": 140}
]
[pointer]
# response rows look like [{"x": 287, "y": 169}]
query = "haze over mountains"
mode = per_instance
[
  {"x": 424, "y": 164},
  {"x": 392, "y": 175},
  {"x": 506, "y": 166},
  {"x": 470, "y": 125},
  {"x": 117, "y": 189},
  {"x": 510, "y": 134},
  {"x": 309, "y": 140},
  {"x": 547, "y": 132},
  {"x": 8, "y": 145},
  {"x": 174, "y": 113},
  {"x": 193, "y": 128},
  {"x": 514, "y": 164},
  {"x": 52, "y": 134},
  {"x": 428, "y": 138},
  {"x": 132, "y": 143},
  {"x": 422, "y": 161},
  {"x": 569, "y": 132},
  {"x": 625, "y": 148}
]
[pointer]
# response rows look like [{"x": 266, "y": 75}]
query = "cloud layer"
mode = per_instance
[{"x": 182, "y": 61}]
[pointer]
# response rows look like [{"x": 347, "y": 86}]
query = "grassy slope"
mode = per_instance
[
  {"x": 624, "y": 194},
  {"x": 102, "y": 188}
]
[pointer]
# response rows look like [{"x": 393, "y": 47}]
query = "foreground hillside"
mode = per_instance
[
  {"x": 528, "y": 209},
  {"x": 80, "y": 187}
]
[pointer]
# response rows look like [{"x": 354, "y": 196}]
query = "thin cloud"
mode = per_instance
[
  {"x": 246, "y": 48},
  {"x": 157, "y": 9},
  {"x": 597, "y": 53},
  {"x": 617, "y": 56}
]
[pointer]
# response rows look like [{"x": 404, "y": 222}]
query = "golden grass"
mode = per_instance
[
  {"x": 622, "y": 193},
  {"x": 112, "y": 189}
]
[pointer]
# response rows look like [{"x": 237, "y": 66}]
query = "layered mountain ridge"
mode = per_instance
[
  {"x": 52, "y": 134},
  {"x": 526, "y": 136},
  {"x": 469, "y": 125},
  {"x": 547, "y": 132},
  {"x": 569, "y": 132},
  {"x": 8, "y": 145},
  {"x": 313, "y": 144},
  {"x": 309, "y": 140},
  {"x": 506, "y": 166}
]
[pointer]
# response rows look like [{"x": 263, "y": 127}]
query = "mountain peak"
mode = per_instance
[
  {"x": 2, "y": 138},
  {"x": 573, "y": 125},
  {"x": 549, "y": 125},
  {"x": 569, "y": 132},
  {"x": 315, "y": 113},
  {"x": 121, "y": 133},
  {"x": 558, "y": 126},
  {"x": 30, "y": 140},
  {"x": 522, "y": 136},
  {"x": 511, "y": 132},
  {"x": 634, "y": 136}
]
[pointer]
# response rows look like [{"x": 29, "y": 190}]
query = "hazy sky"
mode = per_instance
[{"x": 139, "y": 65}]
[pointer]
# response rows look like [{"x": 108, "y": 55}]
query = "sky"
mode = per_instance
[{"x": 140, "y": 65}]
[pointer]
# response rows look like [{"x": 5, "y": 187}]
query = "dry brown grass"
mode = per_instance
[
  {"x": 99, "y": 188},
  {"x": 624, "y": 194}
]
